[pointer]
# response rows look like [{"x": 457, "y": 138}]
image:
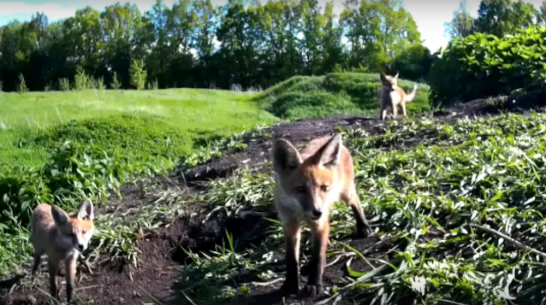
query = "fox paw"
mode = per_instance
[
  {"x": 364, "y": 232},
  {"x": 290, "y": 288},
  {"x": 312, "y": 290}
]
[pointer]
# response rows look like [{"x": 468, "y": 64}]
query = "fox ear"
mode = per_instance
[
  {"x": 85, "y": 211},
  {"x": 285, "y": 156},
  {"x": 396, "y": 76},
  {"x": 330, "y": 153},
  {"x": 59, "y": 216},
  {"x": 382, "y": 76}
]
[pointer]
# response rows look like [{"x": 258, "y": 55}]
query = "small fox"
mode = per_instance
[
  {"x": 394, "y": 96},
  {"x": 307, "y": 185},
  {"x": 61, "y": 237}
]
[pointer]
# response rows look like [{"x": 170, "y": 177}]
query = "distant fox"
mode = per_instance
[
  {"x": 61, "y": 237},
  {"x": 393, "y": 96},
  {"x": 307, "y": 185}
]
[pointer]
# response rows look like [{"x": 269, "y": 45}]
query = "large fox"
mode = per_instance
[
  {"x": 394, "y": 96},
  {"x": 307, "y": 185},
  {"x": 62, "y": 238}
]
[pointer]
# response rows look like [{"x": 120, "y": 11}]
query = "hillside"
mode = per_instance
[{"x": 334, "y": 94}]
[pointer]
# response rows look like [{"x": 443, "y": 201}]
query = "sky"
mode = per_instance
[{"x": 430, "y": 15}]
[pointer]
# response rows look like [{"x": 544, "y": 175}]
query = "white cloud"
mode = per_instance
[{"x": 53, "y": 11}]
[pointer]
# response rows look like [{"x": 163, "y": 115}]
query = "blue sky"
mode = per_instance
[{"x": 430, "y": 15}]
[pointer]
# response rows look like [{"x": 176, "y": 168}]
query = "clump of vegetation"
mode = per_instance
[
  {"x": 138, "y": 74},
  {"x": 483, "y": 65},
  {"x": 116, "y": 85},
  {"x": 334, "y": 94},
  {"x": 22, "y": 86},
  {"x": 64, "y": 84}
]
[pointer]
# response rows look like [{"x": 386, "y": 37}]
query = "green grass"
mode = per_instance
[
  {"x": 188, "y": 113},
  {"x": 334, "y": 94},
  {"x": 434, "y": 201},
  {"x": 61, "y": 147}
]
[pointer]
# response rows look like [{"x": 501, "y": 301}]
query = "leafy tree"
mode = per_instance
[
  {"x": 462, "y": 24},
  {"x": 193, "y": 43},
  {"x": 502, "y": 17}
]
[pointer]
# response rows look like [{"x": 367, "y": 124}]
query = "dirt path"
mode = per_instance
[{"x": 161, "y": 253}]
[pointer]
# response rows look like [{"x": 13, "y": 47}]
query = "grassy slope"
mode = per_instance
[
  {"x": 336, "y": 93},
  {"x": 188, "y": 112},
  {"x": 138, "y": 130}
]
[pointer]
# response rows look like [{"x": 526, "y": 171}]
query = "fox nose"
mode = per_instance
[
  {"x": 81, "y": 247},
  {"x": 317, "y": 214}
]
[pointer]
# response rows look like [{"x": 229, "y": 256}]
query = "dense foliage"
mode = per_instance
[
  {"x": 195, "y": 44},
  {"x": 482, "y": 65}
]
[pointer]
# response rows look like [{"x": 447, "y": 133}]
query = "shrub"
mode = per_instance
[
  {"x": 138, "y": 74},
  {"x": 22, "y": 86},
  {"x": 64, "y": 84},
  {"x": 82, "y": 81},
  {"x": 483, "y": 65},
  {"x": 100, "y": 84},
  {"x": 116, "y": 85}
]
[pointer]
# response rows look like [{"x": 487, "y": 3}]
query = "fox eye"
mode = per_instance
[
  {"x": 324, "y": 188},
  {"x": 300, "y": 189}
]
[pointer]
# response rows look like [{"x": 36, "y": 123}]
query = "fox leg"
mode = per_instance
[
  {"x": 394, "y": 110},
  {"x": 351, "y": 198},
  {"x": 404, "y": 108},
  {"x": 383, "y": 113},
  {"x": 70, "y": 269},
  {"x": 321, "y": 231},
  {"x": 292, "y": 235},
  {"x": 53, "y": 267},
  {"x": 37, "y": 260}
]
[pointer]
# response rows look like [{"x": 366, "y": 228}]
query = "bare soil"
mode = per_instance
[{"x": 162, "y": 254}]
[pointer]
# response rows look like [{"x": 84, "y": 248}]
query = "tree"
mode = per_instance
[
  {"x": 196, "y": 44},
  {"x": 138, "y": 74},
  {"x": 462, "y": 24},
  {"x": 502, "y": 17},
  {"x": 541, "y": 14}
]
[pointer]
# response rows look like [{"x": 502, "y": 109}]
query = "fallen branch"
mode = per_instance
[{"x": 509, "y": 239}]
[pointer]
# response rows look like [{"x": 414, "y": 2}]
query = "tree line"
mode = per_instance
[
  {"x": 196, "y": 44},
  {"x": 496, "y": 17}
]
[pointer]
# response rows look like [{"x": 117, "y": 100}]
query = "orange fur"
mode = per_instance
[
  {"x": 393, "y": 96},
  {"x": 61, "y": 237},
  {"x": 308, "y": 183}
]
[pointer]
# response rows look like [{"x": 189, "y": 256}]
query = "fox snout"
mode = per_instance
[{"x": 312, "y": 209}]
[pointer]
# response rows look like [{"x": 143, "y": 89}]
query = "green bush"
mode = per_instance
[
  {"x": 64, "y": 84},
  {"x": 481, "y": 65},
  {"x": 138, "y": 74},
  {"x": 22, "y": 86},
  {"x": 116, "y": 85}
]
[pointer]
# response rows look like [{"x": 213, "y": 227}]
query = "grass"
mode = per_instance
[
  {"x": 451, "y": 204},
  {"x": 186, "y": 112},
  {"x": 61, "y": 147},
  {"x": 334, "y": 94}
]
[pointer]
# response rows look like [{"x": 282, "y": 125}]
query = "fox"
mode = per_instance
[
  {"x": 62, "y": 237},
  {"x": 394, "y": 96},
  {"x": 307, "y": 184}
]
